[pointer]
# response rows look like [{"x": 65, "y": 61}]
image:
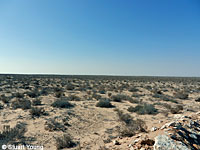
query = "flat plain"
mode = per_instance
[{"x": 91, "y": 112}]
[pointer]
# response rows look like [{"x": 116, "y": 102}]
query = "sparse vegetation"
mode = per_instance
[
  {"x": 13, "y": 135},
  {"x": 21, "y": 103},
  {"x": 74, "y": 98},
  {"x": 64, "y": 142},
  {"x": 36, "y": 102},
  {"x": 5, "y": 99},
  {"x": 173, "y": 109},
  {"x": 62, "y": 103},
  {"x": 120, "y": 97},
  {"x": 143, "y": 109},
  {"x": 105, "y": 103},
  {"x": 129, "y": 126},
  {"x": 181, "y": 95},
  {"x": 37, "y": 112},
  {"x": 52, "y": 125}
]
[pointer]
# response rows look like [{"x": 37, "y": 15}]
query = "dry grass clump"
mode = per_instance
[
  {"x": 130, "y": 126},
  {"x": 120, "y": 97},
  {"x": 74, "y": 98},
  {"x": 96, "y": 96},
  {"x": 105, "y": 103},
  {"x": 62, "y": 103},
  {"x": 133, "y": 89},
  {"x": 173, "y": 109},
  {"x": 21, "y": 103},
  {"x": 13, "y": 135},
  {"x": 33, "y": 94},
  {"x": 18, "y": 95},
  {"x": 70, "y": 87},
  {"x": 37, "y": 112},
  {"x": 135, "y": 101},
  {"x": 52, "y": 125},
  {"x": 36, "y": 102},
  {"x": 65, "y": 141},
  {"x": 5, "y": 99},
  {"x": 143, "y": 109},
  {"x": 137, "y": 95},
  {"x": 181, "y": 95}
]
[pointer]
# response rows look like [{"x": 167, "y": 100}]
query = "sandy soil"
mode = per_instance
[{"x": 92, "y": 127}]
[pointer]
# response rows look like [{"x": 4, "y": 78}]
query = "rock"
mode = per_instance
[
  {"x": 148, "y": 142},
  {"x": 178, "y": 116},
  {"x": 197, "y": 100},
  {"x": 131, "y": 148},
  {"x": 135, "y": 141},
  {"x": 115, "y": 142},
  {"x": 193, "y": 136},
  {"x": 198, "y": 113},
  {"x": 153, "y": 129},
  {"x": 173, "y": 124},
  {"x": 163, "y": 142}
]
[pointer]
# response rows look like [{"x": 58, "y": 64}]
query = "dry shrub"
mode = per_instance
[
  {"x": 64, "y": 141},
  {"x": 130, "y": 126}
]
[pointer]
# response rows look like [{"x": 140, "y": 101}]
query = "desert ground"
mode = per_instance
[{"x": 96, "y": 112}]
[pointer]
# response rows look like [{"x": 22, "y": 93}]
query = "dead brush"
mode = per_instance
[
  {"x": 130, "y": 126},
  {"x": 65, "y": 141}
]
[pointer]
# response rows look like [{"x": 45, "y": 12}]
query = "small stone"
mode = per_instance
[
  {"x": 178, "y": 116},
  {"x": 131, "y": 148},
  {"x": 130, "y": 145},
  {"x": 196, "y": 146},
  {"x": 193, "y": 136},
  {"x": 136, "y": 141},
  {"x": 163, "y": 142},
  {"x": 198, "y": 113},
  {"x": 115, "y": 142},
  {"x": 197, "y": 100},
  {"x": 153, "y": 129}
]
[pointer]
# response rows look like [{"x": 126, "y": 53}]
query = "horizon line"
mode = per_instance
[{"x": 117, "y": 75}]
